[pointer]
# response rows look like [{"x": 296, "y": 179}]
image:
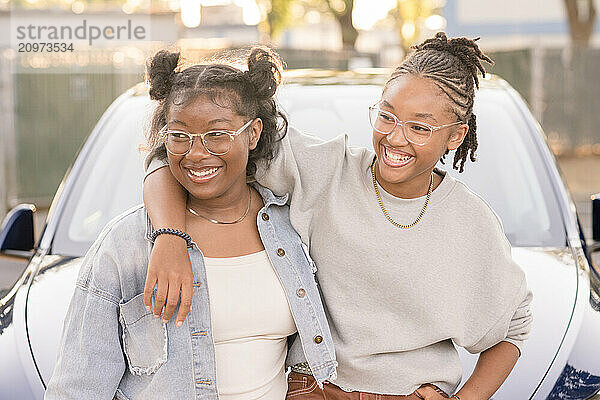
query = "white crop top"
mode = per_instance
[{"x": 251, "y": 320}]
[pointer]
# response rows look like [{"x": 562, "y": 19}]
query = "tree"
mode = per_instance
[
  {"x": 342, "y": 11},
  {"x": 582, "y": 18},
  {"x": 409, "y": 15},
  {"x": 278, "y": 15}
]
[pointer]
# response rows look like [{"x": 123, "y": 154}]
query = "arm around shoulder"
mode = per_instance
[{"x": 169, "y": 268}]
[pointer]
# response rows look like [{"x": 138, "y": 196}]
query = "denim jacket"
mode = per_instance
[{"x": 112, "y": 347}]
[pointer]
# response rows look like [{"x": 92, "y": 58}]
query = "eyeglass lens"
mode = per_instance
[
  {"x": 217, "y": 143},
  {"x": 385, "y": 123}
]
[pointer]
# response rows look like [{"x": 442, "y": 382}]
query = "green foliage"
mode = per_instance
[{"x": 279, "y": 16}]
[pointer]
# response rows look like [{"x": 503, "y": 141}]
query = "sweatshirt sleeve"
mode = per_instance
[
  {"x": 513, "y": 327},
  {"x": 496, "y": 304},
  {"x": 306, "y": 166},
  {"x": 520, "y": 324},
  {"x": 156, "y": 159}
]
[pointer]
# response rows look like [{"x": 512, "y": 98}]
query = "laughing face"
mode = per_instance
[
  {"x": 204, "y": 175},
  {"x": 404, "y": 168}
]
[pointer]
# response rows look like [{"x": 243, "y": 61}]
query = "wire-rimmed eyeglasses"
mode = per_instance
[
  {"x": 415, "y": 132},
  {"x": 217, "y": 142}
]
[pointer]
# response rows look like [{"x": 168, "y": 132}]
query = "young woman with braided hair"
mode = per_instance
[
  {"x": 217, "y": 122},
  {"x": 410, "y": 261}
]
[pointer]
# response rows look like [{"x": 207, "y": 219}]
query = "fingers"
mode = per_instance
[
  {"x": 186, "y": 301},
  {"x": 148, "y": 290},
  {"x": 172, "y": 300},
  {"x": 161, "y": 296},
  {"x": 170, "y": 271}
]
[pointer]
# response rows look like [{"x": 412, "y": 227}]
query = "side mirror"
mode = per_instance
[{"x": 16, "y": 234}]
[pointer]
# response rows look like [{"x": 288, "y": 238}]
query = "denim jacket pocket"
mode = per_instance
[{"x": 144, "y": 337}]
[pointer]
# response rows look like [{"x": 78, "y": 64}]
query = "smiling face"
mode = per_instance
[
  {"x": 404, "y": 168},
  {"x": 204, "y": 175}
]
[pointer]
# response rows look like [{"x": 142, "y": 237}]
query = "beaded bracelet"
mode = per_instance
[{"x": 171, "y": 231}]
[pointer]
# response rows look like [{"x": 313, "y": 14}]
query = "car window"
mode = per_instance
[{"x": 509, "y": 172}]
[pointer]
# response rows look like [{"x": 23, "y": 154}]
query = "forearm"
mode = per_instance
[
  {"x": 165, "y": 200},
  {"x": 169, "y": 267},
  {"x": 493, "y": 367}
]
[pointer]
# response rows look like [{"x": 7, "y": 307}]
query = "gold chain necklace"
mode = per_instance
[
  {"x": 214, "y": 221},
  {"x": 385, "y": 212}
]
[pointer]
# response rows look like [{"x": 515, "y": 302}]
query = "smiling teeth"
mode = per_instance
[
  {"x": 203, "y": 173},
  {"x": 397, "y": 158}
]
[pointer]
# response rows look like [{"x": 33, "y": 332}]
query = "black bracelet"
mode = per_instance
[{"x": 171, "y": 231}]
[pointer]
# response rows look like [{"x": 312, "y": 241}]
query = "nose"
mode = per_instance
[
  {"x": 198, "y": 150},
  {"x": 397, "y": 136}
]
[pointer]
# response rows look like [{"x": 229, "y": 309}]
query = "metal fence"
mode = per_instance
[
  {"x": 48, "y": 114},
  {"x": 54, "y": 113},
  {"x": 561, "y": 87}
]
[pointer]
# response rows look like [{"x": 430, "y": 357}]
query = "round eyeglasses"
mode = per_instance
[
  {"x": 216, "y": 142},
  {"x": 415, "y": 132}
]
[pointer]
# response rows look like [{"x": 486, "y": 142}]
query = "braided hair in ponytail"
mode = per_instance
[{"x": 452, "y": 64}]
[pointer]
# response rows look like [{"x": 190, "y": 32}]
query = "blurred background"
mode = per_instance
[{"x": 548, "y": 50}]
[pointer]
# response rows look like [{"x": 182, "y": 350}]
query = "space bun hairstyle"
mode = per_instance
[
  {"x": 248, "y": 92},
  {"x": 453, "y": 65}
]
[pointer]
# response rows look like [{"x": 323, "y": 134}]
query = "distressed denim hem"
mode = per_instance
[
  {"x": 135, "y": 370},
  {"x": 331, "y": 374}
]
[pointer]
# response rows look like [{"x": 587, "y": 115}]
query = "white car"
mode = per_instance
[{"x": 515, "y": 172}]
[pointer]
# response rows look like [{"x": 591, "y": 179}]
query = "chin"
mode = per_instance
[
  {"x": 393, "y": 175},
  {"x": 204, "y": 191}
]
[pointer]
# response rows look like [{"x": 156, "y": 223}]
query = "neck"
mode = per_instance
[
  {"x": 228, "y": 206},
  {"x": 417, "y": 186}
]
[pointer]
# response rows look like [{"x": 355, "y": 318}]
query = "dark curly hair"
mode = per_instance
[
  {"x": 249, "y": 93},
  {"x": 452, "y": 64}
]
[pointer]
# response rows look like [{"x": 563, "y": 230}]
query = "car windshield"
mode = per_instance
[{"x": 509, "y": 172}]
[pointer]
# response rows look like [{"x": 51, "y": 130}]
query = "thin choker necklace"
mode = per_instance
[
  {"x": 214, "y": 221},
  {"x": 385, "y": 212}
]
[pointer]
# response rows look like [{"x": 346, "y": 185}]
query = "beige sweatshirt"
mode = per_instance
[{"x": 397, "y": 301}]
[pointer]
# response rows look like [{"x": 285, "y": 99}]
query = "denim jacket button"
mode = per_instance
[
  {"x": 301, "y": 292},
  {"x": 265, "y": 216},
  {"x": 318, "y": 339},
  {"x": 280, "y": 252}
]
